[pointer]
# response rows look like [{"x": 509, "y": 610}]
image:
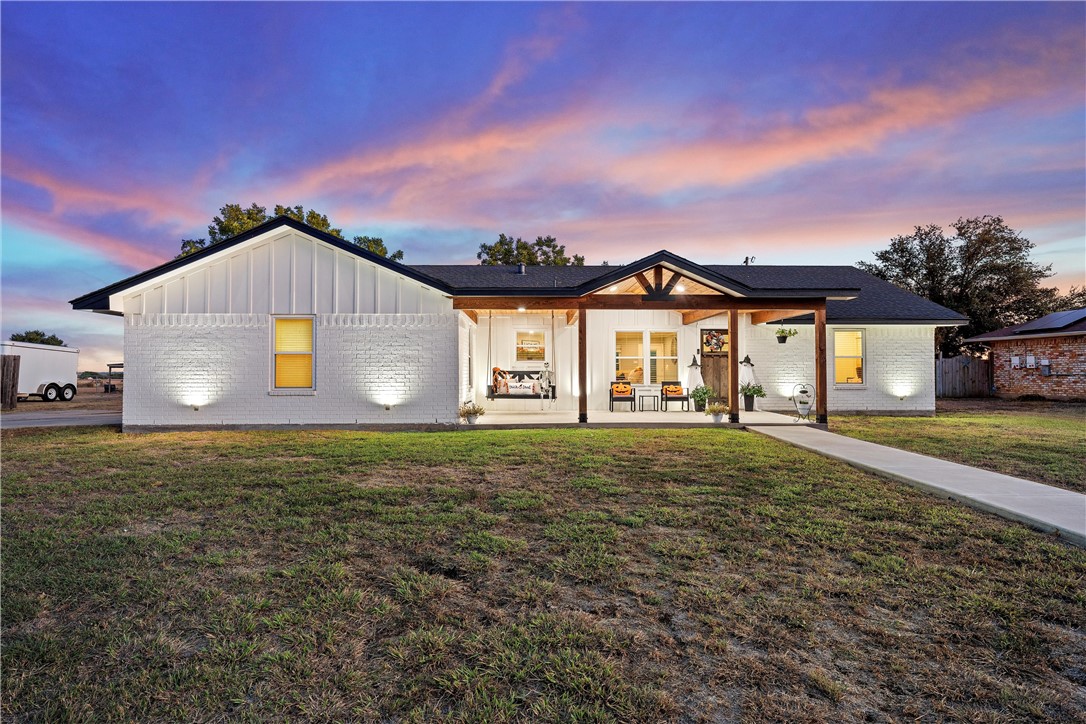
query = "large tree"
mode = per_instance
[
  {"x": 983, "y": 271},
  {"x": 36, "y": 336},
  {"x": 233, "y": 219},
  {"x": 544, "y": 251}
]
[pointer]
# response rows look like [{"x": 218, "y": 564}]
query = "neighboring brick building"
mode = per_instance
[{"x": 1045, "y": 357}]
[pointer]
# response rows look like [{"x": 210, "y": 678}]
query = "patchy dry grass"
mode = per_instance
[
  {"x": 588, "y": 575},
  {"x": 1044, "y": 441}
]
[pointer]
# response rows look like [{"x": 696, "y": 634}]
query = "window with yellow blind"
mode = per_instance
[
  {"x": 293, "y": 353},
  {"x": 848, "y": 356}
]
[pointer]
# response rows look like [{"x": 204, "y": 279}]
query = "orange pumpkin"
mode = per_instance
[
  {"x": 621, "y": 390},
  {"x": 673, "y": 391}
]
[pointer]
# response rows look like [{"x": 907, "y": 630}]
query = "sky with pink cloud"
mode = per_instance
[{"x": 798, "y": 133}]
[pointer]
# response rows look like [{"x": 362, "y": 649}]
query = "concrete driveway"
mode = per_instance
[{"x": 55, "y": 418}]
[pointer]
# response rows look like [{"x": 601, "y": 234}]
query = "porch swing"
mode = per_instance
[{"x": 531, "y": 383}]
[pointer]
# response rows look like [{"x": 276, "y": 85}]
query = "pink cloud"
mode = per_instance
[
  {"x": 127, "y": 253},
  {"x": 159, "y": 206}
]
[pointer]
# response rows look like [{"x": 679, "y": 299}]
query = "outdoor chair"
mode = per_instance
[
  {"x": 621, "y": 392},
  {"x": 672, "y": 391}
]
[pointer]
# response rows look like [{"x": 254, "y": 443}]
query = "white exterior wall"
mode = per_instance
[
  {"x": 898, "y": 359},
  {"x": 898, "y": 362},
  {"x": 602, "y": 325},
  {"x": 222, "y": 363}
]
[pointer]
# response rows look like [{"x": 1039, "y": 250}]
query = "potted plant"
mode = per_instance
[
  {"x": 700, "y": 395},
  {"x": 749, "y": 391},
  {"x": 471, "y": 412},
  {"x": 717, "y": 410},
  {"x": 783, "y": 333}
]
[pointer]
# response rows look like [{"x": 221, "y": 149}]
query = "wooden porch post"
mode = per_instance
[
  {"x": 733, "y": 365},
  {"x": 821, "y": 378},
  {"x": 582, "y": 365}
]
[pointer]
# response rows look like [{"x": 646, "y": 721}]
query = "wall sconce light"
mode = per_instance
[{"x": 388, "y": 406}]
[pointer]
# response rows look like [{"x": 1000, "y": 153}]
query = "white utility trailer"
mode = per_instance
[{"x": 45, "y": 370}]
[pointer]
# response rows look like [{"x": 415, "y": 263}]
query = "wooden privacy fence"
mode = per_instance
[{"x": 963, "y": 376}]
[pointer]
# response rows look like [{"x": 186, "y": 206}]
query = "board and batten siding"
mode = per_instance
[{"x": 288, "y": 274}]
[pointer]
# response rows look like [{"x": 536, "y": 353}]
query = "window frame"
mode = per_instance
[
  {"x": 862, "y": 357},
  {"x": 516, "y": 346},
  {"x": 646, "y": 357},
  {"x": 287, "y": 391}
]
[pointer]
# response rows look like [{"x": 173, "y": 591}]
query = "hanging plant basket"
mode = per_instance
[{"x": 784, "y": 333}]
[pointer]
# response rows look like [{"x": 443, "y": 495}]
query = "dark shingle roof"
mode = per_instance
[
  {"x": 877, "y": 300},
  {"x": 874, "y": 301},
  {"x": 1058, "y": 323}
]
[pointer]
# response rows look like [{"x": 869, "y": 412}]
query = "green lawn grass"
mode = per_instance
[
  {"x": 550, "y": 575},
  {"x": 1049, "y": 447}
]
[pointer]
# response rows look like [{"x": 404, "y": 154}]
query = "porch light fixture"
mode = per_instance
[
  {"x": 520, "y": 309},
  {"x": 680, "y": 289},
  {"x": 613, "y": 288}
]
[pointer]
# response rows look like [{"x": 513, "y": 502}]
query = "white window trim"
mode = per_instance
[
  {"x": 517, "y": 364},
  {"x": 863, "y": 359},
  {"x": 646, "y": 355},
  {"x": 292, "y": 391}
]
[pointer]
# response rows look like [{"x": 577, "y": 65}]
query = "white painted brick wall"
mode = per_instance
[
  {"x": 899, "y": 361},
  {"x": 224, "y": 363}
]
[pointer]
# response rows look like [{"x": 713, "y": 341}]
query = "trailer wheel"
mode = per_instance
[
  {"x": 51, "y": 394},
  {"x": 67, "y": 393}
]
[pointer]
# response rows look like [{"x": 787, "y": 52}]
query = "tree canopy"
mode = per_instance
[
  {"x": 983, "y": 271},
  {"x": 544, "y": 251},
  {"x": 233, "y": 219},
  {"x": 36, "y": 336}
]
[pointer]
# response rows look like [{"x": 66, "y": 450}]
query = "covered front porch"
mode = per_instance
[
  {"x": 641, "y": 324},
  {"x": 497, "y": 419}
]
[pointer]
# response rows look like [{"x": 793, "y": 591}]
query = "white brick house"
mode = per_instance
[{"x": 286, "y": 325}]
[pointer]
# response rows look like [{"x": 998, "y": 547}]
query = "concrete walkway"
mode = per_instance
[
  {"x": 54, "y": 418},
  {"x": 1041, "y": 506}
]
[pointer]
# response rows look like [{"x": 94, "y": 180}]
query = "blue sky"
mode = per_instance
[{"x": 801, "y": 133}]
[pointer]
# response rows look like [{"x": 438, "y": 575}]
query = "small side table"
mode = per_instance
[{"x": 648, "y": 396}]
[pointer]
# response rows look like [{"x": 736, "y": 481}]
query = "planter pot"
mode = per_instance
[
  {"x": 748, "y": 403},
  {"x": 472, "y": 419},
  {"x": 699, "y": 406},
  {"x": 781, "y": 338},
  {"x": 718, "y": 418}
]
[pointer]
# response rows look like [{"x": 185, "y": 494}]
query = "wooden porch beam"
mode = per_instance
[
  {"x": 691, "y": 317},
  {"x": 821, "y": 378},
  {"x": 763, "y": 317},
  {"x": 644, "y": 282},
  {"x": 627, "y": 301},
  {"x": 571, "y": 316},
  {"x": 733, "y": 365},
  {"x": 675, "y": 277},
  {"x": 471, "y": 314},
  {"x": 657, "y": 278}
]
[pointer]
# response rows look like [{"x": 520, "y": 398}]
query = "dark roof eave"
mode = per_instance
[
  {"x": 576, "y": 293},
  {"x": 808, "y": 319},
  {"x": 94, "y": 300}
]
